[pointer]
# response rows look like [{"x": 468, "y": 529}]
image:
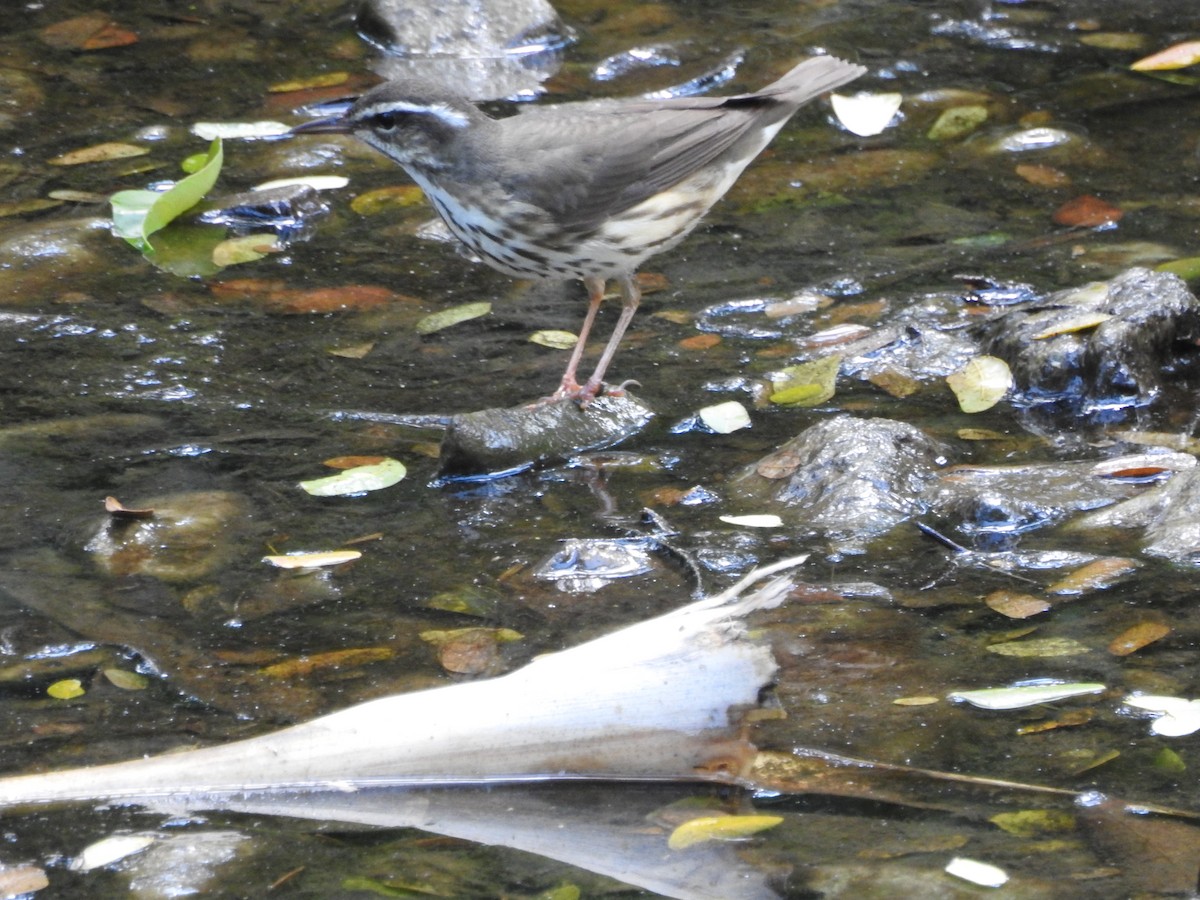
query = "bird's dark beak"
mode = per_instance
[{"x": 328, "y": 125}]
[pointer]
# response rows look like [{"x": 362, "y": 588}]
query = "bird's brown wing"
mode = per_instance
[
  {"x": 585, "y": 166},
  {"x": 584, "y": 162}
]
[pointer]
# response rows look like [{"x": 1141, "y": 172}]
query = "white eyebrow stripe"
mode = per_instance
[{"x": 443, "y": 111}]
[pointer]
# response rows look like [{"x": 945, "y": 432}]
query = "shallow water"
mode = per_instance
[{"x": 170, "y": 389}]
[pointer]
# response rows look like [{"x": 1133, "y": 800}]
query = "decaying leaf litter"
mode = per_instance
[{"x": 1011, "y": 536}]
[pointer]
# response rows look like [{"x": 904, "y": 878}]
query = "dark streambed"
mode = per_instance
[{"x": 120, "y": 379}]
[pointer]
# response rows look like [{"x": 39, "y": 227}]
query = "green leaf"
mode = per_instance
[
  {"x": 357, "y": 480},
  {"x": 138, "y": 214},
  {"x": 806, "y": 384}
]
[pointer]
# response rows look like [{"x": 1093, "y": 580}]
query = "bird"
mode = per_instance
[{"x": 586, "y": 190}]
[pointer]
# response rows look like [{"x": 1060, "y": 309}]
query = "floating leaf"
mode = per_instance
[
  {"x": 110, "y": 850},
  {"x": 1176, "y": 717},
  {"x": 98, "y": 153},
  {"x": 1138, "y": 636},
  {"x": 807, "y": 384},
  {"x": 67, "y": 689},
  {"x": 239, "y": 131},
  {"x": 719, "y": 828},
  {"x": 316, "y": 182},
  {"x": 126, "y": 680},
  {"x": 1024, "y": 695},
  {"x": 957, "y": 122},
  {"x": 725, "y": 418},
  {"x": 554, "y": 339},
  {"x": 982, "y": 874},
  {"x": 1177, "y": 56},
  {"x": 312, "y": 560},
  {"x": 138, "y": 214},
  {"x": 1071, "y": 324},
  {"x": 757, "y": 521},
  {"x": 453, "y": 316},
  {"x": 1039, "y": 647},
  {"x": 866, "y": 114},
  {"x": 357, "y": 480},
  {"x": 118, "y": 510},
  {"x": 981, "y": 383}
]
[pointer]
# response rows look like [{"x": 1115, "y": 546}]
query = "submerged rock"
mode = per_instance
[
  {"x": 1099, "y": 352},
  {"x": 187, "y": 538},
  {"x": 494, "y": 442},
  {"x": 847, "y": 478}
]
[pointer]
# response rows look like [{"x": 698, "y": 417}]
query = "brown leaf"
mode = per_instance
[
  {"x": 276, "y": 296},
  {"x": 1043, "y": 176},
  {"x": 90, "y": 31},
  {"x": 1177, "y": 56},
  {"x": 1015, "y": 606},
  {"x": 1094, "y": 576},
  {"x": 700, "y": 342},
  {"x": 1136, "y": 637},
  {"x": 1087, "y": 211},
  {"x": 105, "y": 152},
  {"x": 118, "y": 510}
]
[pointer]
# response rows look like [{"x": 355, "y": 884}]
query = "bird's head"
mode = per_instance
[{"x": 413, "y": 121}]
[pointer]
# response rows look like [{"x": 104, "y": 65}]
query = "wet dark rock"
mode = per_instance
[
  {"x": 999, "y": 503},
  {"x": 495, "y": 442},
  {"x": 1099, "y": 374},
  {"x": 289, "y": 211},
  {"x": 38, "y": 258},
  {"x": 847, "y": 478},
  {"x": 1169, "y": 512},
  {"x": 20, "y": 96}
]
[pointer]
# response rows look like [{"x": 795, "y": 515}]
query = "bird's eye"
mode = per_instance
[{"x": 387, "y": 122}]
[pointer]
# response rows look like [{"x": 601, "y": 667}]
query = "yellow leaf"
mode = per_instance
[
  {"x": 719, "y": 828},
  {"x": 312, "y": 560},
  {"x": 98, "y": 153},
  {"x": 1177, "y": 56},
  {"x": 981, "y": 383},
  {"x": 67, "y": 689}
]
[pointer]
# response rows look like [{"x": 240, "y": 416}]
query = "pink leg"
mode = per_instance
[
  {"x": 569, "y": 386},
  {"x": 631, "y": 295}
]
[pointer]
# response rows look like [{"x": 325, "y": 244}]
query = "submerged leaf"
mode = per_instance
[
  {"x": 1025, "y": 695},
  {"x": 357, "y": 480},
  {"x": 98, "y": 153},
  {"x": 1040, "y": 647},
  {"x": 138, "y": 214},
  {"x": 554, "y": 339},
  {"x": 719, "y": 828},
  {"x": 453, "y": 316},
  {"x": 1030, "y": 823},
  {"x": 1137, "y": 636}
]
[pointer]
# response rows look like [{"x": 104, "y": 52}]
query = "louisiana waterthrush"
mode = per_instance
[{"x": 578, "y": 190}]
